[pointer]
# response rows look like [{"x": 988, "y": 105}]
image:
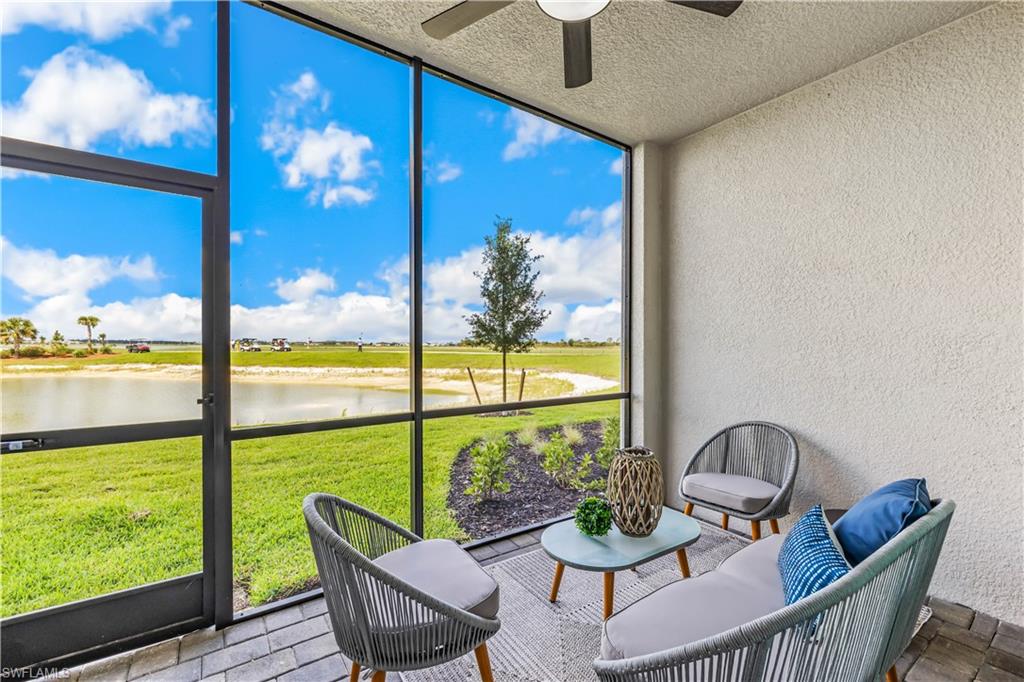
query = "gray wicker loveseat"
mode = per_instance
[{"x": 732, "y": 623}]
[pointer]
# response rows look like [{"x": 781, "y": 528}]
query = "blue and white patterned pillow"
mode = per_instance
[{"x": 810, "y": 557}]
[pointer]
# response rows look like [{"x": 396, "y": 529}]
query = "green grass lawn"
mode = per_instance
[
  {"x": 602, "y": 361},
  {"x": 79, "y": 523}
]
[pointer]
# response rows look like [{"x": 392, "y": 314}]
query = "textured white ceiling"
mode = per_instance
[{"x": 660, "y": 71}]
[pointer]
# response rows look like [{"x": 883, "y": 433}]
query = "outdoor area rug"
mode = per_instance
[{"x": 542, "y": 641}]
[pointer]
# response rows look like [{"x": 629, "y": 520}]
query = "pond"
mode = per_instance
[{"x": 64, "y": 401}]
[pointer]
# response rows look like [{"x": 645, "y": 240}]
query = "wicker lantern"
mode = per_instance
[{"x": 636, "y": 491}]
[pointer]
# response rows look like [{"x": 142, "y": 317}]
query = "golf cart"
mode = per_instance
[
  {"x": 137, "y": 347},
  {"x": 249, "y": 346},
  {"x": 280, "y": 346}
]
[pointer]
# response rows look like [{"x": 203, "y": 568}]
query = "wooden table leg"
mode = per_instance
[
  {"x": 688, "y": 509},
  {"x": 559, "y": 570},
  {"x": 684, "y": 565},
  {"x": 609, "y": 594},
  {"x": 774, "y": 523}
]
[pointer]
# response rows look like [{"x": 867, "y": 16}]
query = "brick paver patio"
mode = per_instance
[{"x": 296, "y": 645}]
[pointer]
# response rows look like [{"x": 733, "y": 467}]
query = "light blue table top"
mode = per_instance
[{"x": 615, "y": 551}]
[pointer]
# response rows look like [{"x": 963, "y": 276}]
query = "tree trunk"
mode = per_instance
[
  {"x": 88, "y": 333},
  {"x": 504, "y": 383}
]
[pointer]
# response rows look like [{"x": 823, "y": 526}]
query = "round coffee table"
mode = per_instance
[{"x": 617, "y": 552}]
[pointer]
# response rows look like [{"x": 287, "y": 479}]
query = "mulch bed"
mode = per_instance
[{"x": 534, "y": 496}]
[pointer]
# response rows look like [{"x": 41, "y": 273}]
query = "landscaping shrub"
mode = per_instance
[
  {"x": 490, "y": 466},
  {"x": 80, "y": 353},
  {"x": 572, "y": 434},
  {"x": 5, "y": 354},
  {"x": 560, "y": 463},
  {"x": 528, "y": 436},
  {"x": 33, "y": 352},
  {"x": 609, "y": 443}
]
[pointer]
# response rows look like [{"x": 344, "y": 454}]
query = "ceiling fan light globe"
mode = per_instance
[{"x": 572, "y": 11}]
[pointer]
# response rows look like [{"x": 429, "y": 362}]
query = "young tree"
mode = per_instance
[
  {"x": 511, "y": 314},
  {"x": 89, "y": 322},
  {"x": 15, "y": 331},
  {"x": 57, "y": 345}
]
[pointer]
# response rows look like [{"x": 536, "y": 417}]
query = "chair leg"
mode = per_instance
[
  {"x": 379, "y": 676},
  {"x": 891, "y": 676},
  {"x": 483, "y": 662},
  {"x": 725, "y": 522},
  {"x": 354, "y": 676},
  {"x": 774, "y": 523},
  {"x": 559, "y": 570},
  {"x": 755, "y": 530},
  {"x": 684, "y": 565},
  {"x": 688, "y": 509}
]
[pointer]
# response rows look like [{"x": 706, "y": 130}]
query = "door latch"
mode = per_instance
[{"x": 206, "y": 400}]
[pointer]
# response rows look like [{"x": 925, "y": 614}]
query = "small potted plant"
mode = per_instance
[{"x": 594, "y": 516}]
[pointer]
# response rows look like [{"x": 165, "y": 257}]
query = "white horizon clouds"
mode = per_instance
[
  {"x": 41, "y": 273},
  {"x": 579, "y": 274},
  {"x": 532, "y": 133},
  {"x": 328, "y": 162},
  {"x": 79, "y": 97}
]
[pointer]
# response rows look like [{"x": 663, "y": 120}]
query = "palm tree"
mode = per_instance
[
  {"x": 89, "y": 322},
  {"x": 15, "y": 331}
]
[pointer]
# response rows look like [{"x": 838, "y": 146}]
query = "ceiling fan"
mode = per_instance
[{"x": 575, "y": 16}]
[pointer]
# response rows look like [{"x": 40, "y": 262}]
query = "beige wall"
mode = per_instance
[{"x": 846, "y": 260}]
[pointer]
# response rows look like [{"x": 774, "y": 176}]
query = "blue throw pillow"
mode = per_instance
[
  {"x": 877, "y": 518},
  {"x": 810, "y": 557}
]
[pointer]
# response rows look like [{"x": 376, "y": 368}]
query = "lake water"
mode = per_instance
[{"x": 63, "y": 401}]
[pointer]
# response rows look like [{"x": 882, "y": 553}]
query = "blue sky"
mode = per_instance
[{"x": 319, "y": 182}]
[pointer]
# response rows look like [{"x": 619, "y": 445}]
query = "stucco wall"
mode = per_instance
[{"x": 846, "y": 260}]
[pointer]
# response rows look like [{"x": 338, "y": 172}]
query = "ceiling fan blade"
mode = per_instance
[
  {"x": 458, "y": 17},
  {"x": 576, "y": 53},
  {"x": 722, "y": 8}
]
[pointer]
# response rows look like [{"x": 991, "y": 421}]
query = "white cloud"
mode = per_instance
[
  {"x": 446, "y": 171},
  {"x": 607, "y": 218},
  {"x": 329, "y": 161},
  {"x": 531, "y": 134},
  {"x": 173, "y": 29},
  {"x": 101, "y": 21},
  {"x": 309, "y": 283},
  {"x": 260, "y": 232},
  {"x": 615, "y": 167},
  {"x": 42, "y": 273},
  {"x": 237, "y": 236},
  {"x": 595, "y": 322},
  {"x": 79, "y": 96}
]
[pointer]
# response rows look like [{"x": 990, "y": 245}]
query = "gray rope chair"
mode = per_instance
[
  {"x": 746, "y": 470},
  {"x": 851, "y": 631},
  {"x": 382, "y": 622}
]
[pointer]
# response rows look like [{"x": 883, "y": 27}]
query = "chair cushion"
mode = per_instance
[
  {"x": 741, "y": 493},
  {"x": 877, "y": 518},
  {"x": 811, "y": 557},
  {"x": 746, "y": 586},
  {"x": 444, "y": 570}
]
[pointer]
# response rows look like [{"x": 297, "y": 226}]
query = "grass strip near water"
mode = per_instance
[
  {"x": 79, "y": 523},
  {"x": 602, "y": 361}
]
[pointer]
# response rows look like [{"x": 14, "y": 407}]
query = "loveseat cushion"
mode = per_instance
[
  {"x": 744, "y": 587},
  {"x": 880, "y": 516},
  {"x": 444, "y": 570},
  {"x": 742, "y": 493}
]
